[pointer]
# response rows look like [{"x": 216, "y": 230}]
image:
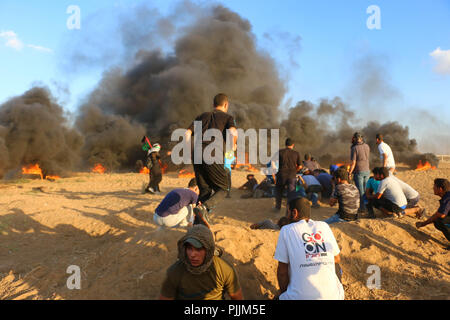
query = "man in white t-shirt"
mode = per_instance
[
  {"x": 307, "y": 254},
  {"x": 412, "y": 197},
  {"x": 390, "y": 198},
  {"x": 386, "y": 155}
]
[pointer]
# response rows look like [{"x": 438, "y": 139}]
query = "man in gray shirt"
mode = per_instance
[
  {"x": 359, "y": 156},
  {"x": 390, "y": 198}
]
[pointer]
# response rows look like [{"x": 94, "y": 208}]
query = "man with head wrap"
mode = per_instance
[{"x": 198, "y": 273}]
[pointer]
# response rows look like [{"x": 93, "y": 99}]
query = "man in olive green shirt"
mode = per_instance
[{"x": 198, "y": 274}]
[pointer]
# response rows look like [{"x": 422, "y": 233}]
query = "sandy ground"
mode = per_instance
[{"x": 103, "y": 224}]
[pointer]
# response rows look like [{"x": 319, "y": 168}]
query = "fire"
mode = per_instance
[
  {"x": 164, "y": 167},
  {"x": 144, "y": 170},
  {"x": 36, "y": 170},
  {"x": 185, "y": 174},
  {"x": 33, "y": 169},
  {"x": 98, "y": 168},
  {"x": 246, "y": 165},
  {"x": 347, "y": 166},
  {"x": 424, "y": 167}
]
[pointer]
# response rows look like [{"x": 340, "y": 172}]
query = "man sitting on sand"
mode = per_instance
[
  {"x": 347, "y": 195},
  {"x": 440, "y": 219},
  {"x": 177, "y": 206},
  {"x": 199, "y": 274},
  {"x": 268, "y": 224},
  {"x": 312, "y": 187},
  {"x": 307, "y": 254},
  {"x": 326, "y": 181},
  {"x": 390, "y": 198},
  {"x": 250, "y": 184}
]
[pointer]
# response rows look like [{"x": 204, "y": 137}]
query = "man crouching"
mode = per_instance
[{"x": 198, "y": 273}]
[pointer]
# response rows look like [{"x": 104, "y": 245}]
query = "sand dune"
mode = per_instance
[{"x": 103, "y": 224}]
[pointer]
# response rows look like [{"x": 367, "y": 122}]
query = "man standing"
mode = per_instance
[
  {"x": 386, "y": 155},
  {"x": 360, "y": 169},
  {"x": 289, "y": 164},
  {"x": 307, "y": 252},
  {"x": 199, "y": 274},
  {"x": 212, "y": 179},
  {"x": 440, "y": 219}
]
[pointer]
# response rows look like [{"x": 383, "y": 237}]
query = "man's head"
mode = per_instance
[
  {"x": 193, "y": 186},
  {"x": 379, "y": 138},
  {"x": 250, "y": 177},
  {"x": 376, "y": 172},
  {"x": 299, "y": 209},
  {"x": 289, "y": 143},
  {"x": 308, "y": 156},
  {"x": 196, "y": 249},
  {"x": 383, "y": 173},
  {"x": 341, "y": 175},
  {"x": 441, "y": 187},
  {"x": 221, "y": 102},
  {"x": 357, "y": 137}
]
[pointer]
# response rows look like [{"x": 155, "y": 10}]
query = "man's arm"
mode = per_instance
[
  {"x": 352, "y": 167},
  {"x": 370, "y": 193},
  {"x": 283, "y": 276},
  {"x": 237, "y": 295},
  {"x": 431, "y": 219},
  {"x": 333, "y": 202},
  {"x": 385, "y": 157},
  {"x": 378, "y": 195}
]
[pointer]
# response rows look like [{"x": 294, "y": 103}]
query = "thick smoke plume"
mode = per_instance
[
  {"x": 167, "y": 91},
  {"x": 34, "y": 129}
]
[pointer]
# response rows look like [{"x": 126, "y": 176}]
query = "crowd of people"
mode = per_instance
[{"x": 307, "y": 252}]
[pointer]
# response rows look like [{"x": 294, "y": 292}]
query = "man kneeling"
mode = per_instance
[
  {"x": 199, "y": 274},
  {"x": 176, "y": 208}
]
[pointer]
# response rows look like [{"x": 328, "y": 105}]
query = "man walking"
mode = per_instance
[
  {"x": 289, "y": 164},
  {"x": 360, "y": 169},
  {"x": 212, "y": 179}
]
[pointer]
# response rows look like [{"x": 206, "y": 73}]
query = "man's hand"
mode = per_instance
[{"x": 419, "y": 225}]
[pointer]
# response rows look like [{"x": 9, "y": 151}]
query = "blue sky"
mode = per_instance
[{"x": 334, "y": 37}]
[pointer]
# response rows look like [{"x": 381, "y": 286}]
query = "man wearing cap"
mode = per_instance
[
  {"x": 288, "y": 165},
  {"x": 359, "y": 155},
  {"x": 308, "y": 257},
  {"x": 199, "y": 274}
]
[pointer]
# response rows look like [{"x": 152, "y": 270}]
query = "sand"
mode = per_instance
[{"x": 103, "y": 224}]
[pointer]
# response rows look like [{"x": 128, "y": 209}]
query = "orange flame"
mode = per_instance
[
  {"x": 185, "y": 174},
  {"x": 424, "y": 167},
  {"x": 144, "y": 170},
  {"x": 163, "y": 166},
  {"x": 98, "y": 168},
  {"x": 36, "y": 170},
  {"x": 246, "y": 165}
]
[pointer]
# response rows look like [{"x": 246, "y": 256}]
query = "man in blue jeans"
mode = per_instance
[{"x": 360, "y": 153}]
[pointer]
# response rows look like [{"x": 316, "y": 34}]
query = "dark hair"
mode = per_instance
[
  {"x": 341, "y": 173},
  {"x": 192, "y": 183},
  {"x": 250, "y": 175},
  {"x": 376, "y": 170},
  {"x": 303, "y": 207},
  {"x": 308, "y": 156},
  {"x": 220, "y": 99},
  {"x": 384, "y": 171},
  {"x": 379, "y": 136},
  {"x": 282, "y": 222},
  {"x": 289, "y": 142},
  {"x": 443, "y": 184}
]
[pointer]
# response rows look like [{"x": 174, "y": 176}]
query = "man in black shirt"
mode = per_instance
[
  {"x": 212, "y": 179},
  {"x": 289, "y": 164}
]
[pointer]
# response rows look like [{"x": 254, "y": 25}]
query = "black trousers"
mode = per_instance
[
  {"x": 440, "y": 224},
  {"x": 155, "y": 180},
  {"x": 283, "y": 181},
  {"x": 229, "y": 181},
  {"x": 212, "y": 181}
]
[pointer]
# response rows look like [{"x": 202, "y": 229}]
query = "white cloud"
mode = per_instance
[
  {"x": 39, "y": 48},
  {"x": 442, "y": 58},
  {"x": 13, "y": 41}
]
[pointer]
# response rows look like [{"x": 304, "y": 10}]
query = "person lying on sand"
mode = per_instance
[
  {"x": 268, "y": 224},
  {"x": 347, "y": 195},
  {"x": 177, "y": 206},
  {"x": 200, "y": 274},
  {"x": 440, "y": 219},
  {"x": 308, "y": 257}
]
